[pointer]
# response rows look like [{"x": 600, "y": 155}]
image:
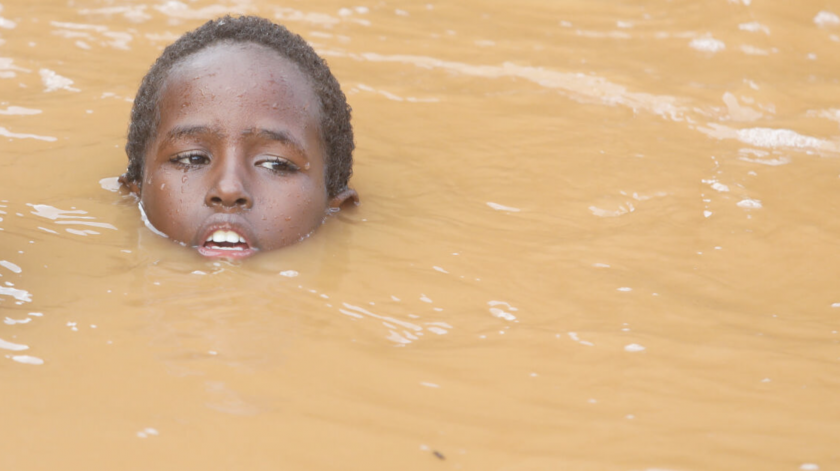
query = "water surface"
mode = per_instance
[{"x": 593, "y": 236}]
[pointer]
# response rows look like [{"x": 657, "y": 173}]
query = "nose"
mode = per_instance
[{"x": 229, "y": 189}]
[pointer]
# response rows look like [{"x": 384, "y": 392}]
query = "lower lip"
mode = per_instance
[{"x": 211, "y": 252}]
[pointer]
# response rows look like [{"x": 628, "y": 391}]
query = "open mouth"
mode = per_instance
[
  {"x": 226, "y": 243},
  {"x": 226, "y": 240}
]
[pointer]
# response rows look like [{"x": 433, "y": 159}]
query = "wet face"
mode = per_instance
[{"x": 237, "y": 164}]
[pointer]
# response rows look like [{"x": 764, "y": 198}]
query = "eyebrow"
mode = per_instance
[
  {"x": 276, "y": 135},
  {"x": 181, "y": 132}
]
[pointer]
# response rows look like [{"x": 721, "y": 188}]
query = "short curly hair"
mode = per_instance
[{"x": 336, "y": 130}]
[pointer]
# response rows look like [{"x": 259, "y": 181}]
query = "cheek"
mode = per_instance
[
  {"x": 166, "y": 194},
  {"x": 298, "y": 207}
]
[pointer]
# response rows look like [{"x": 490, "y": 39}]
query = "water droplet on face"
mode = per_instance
[
  {"x": 288, "y": 218},
  {"x": 184, "y": 179},
  {"x": 306, "y": 167}
]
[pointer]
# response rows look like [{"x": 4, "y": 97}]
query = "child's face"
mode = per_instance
[{"x": 237, "y": 163}]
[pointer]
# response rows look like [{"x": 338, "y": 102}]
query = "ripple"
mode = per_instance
[
  {"x": 19, "y": 111},
  {"x": 76, "y": 217},
  {"x": 578, "y": 85},
  {"x": 499, "y": 207},
  {"x": 6, "y": 133},
  {"x": 15, "y": 347},
  {"x": 181, "y": 10},
  {"x": 134, "y": 13},
  {"x": 28, "y": 360}
]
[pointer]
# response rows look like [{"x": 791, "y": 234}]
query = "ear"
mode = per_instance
[
  {"x": 344, "y": 199},
  {"x": 130, "y": 184}
]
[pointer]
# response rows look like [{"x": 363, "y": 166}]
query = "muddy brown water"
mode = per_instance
[{"x": 593, "y": 236}]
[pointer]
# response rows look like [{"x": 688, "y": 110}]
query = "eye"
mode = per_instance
[
  {"x": 191, "y": 159},
  {"x": 278, "y": 165}
]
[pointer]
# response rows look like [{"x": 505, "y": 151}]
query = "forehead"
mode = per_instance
[{"x": 241, "y": 72}]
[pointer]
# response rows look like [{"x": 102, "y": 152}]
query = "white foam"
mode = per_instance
[
  {"x": 756, "y": 51},
  {"x": 502, "y": 314},
  {"x": 6, "y": 133},
  {"x": 826, "y": 18},
  {"x": 10, "y": 321},
  {"x": 499, "y": 207},
  {"x": 754, "y": 27},
  {"x": 79, "y": 26},
  {"x": 103, "y": 225},
  {"x": 772, "y": 162},
  {"x": 53, "y": 213},
  {"x": 81, "y": 233},
  {"x": 769, "y": 137},
  {"x": 19, "y": 111},
  {"x": 707, "y": 44},
  {"x": 135, "y": 14},
  {"x": 633, "y": 347},
  {"x": 110, "y": 184},
  {"x": 579, "y": 86},
  {"x": 718, "y": 186},
  {"x": 749, "y": 204},
  {"x": 11, "y": 266},
  {"x": 321, "y": 19},
  {"x": 28, "y": 360},
  {"x": 19, "y": 294},
  {"x": 53, "y": 81},
  {"x": 605, "y": 213},
  {"x": 147, "y": 223},
  {"x": 176, "y": 9},
  {"x": 15, "y": 347}
]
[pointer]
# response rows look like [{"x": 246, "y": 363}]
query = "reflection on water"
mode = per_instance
[{"x": 592, "y": 236}]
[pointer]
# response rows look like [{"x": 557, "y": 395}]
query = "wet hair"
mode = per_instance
[{"x": 336, "y": 130}]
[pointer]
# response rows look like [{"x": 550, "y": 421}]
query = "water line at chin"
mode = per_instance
[{"x": 147, "y": 222}]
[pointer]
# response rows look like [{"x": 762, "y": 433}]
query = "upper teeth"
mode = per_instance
[{"x": 226, "y": 236}]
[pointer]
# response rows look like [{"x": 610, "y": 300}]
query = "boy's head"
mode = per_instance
[{"x": 240, "y": 139}]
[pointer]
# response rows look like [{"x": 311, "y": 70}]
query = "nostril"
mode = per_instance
[
  {"x": 216, "y": 200},
  {"x": 241, "y": 202}
]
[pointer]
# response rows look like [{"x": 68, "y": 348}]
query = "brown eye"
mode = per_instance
[
  {"x": 191, "y": 159},
  {"x": 278, "y": 165}
]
